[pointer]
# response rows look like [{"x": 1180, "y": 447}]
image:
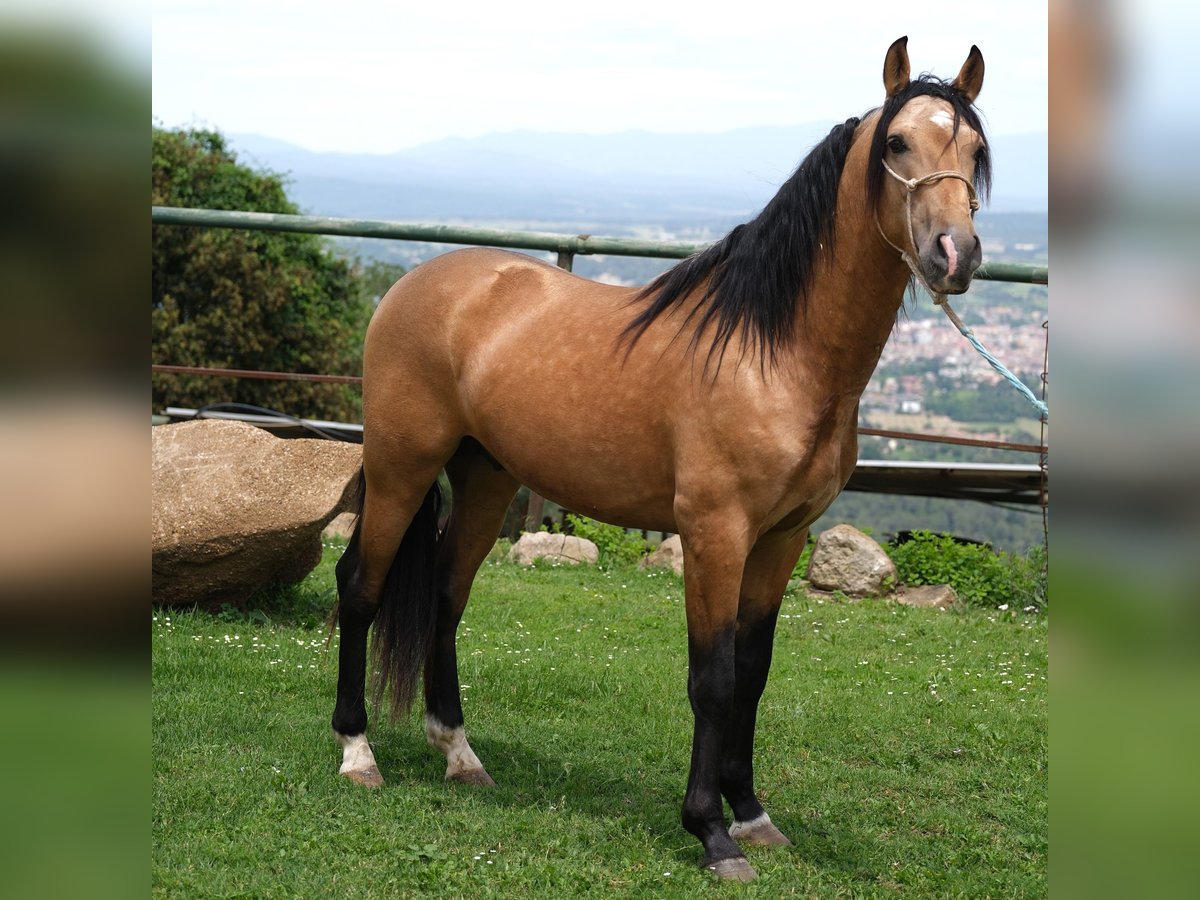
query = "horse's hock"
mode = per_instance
[{"x": 236, "y": 508}]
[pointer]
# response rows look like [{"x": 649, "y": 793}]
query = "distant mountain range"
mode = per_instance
[{"x": 673, "y": 181}]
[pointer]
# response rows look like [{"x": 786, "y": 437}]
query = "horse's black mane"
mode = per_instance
[{"x": 759, "y": 275}]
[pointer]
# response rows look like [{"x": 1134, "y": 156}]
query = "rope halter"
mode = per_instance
[{"x": 912, "y": 184}]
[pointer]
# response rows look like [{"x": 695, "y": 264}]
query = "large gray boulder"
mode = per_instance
[
  {"x": 235, "y": 508},
  {"x": 844, "y": 559},
  {"x": 558, "y": 548}
]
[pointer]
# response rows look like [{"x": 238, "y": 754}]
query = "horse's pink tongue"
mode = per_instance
[{"x": 951, "y": 255}]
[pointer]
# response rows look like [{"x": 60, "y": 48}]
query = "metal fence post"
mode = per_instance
[{"x": 537, "y": 503}]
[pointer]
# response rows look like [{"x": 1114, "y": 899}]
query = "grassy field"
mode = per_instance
[{"x": 902, "y": 750}]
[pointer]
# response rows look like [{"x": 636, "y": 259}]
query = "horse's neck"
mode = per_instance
[{"x": 856, "y": 294}]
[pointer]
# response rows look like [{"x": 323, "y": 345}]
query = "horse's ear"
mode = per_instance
[
  {"x": 970, "y": 76},
  {"x": 895, "y": 67}
]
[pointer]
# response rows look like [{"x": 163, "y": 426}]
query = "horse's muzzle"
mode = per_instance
[{"x": 949, "y": 259}]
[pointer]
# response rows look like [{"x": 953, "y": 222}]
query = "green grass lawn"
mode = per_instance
[{"x": 902, "y": 750}]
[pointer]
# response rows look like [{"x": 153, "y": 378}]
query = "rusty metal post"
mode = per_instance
[{"x": 533, "y": 518}]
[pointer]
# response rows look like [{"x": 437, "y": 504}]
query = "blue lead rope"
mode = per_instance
[
  {"x": 1042, "y": 408},
  {"x": 940, "y": 299}
]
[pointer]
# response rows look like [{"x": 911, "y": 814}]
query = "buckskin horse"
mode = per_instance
[{"x": 758, "y": 349}]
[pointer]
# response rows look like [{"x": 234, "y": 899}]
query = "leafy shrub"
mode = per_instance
[
  {"x": 616, "y": 545},
  {"x": 800, "y": 570},
  {"x": 499, "y": 552},
  {"x": 246, "y": 299},
  {"x": 978, "y": 574}
]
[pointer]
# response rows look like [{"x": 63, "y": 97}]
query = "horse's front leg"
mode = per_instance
[
  {"x": 712, "y": 577},
  {"x": 766, "y": 575}
]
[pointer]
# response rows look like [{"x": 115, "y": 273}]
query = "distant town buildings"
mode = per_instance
[{"x": 923, "y": 348}]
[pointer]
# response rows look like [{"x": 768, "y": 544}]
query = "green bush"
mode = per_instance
[
  {"x": 800, "y": 570},
  {"x": 978, "y": 574},
  {"x": 242, "y": 299},
  {"x": 616, "y": 545},
  {"x": 499, "y": 552}
]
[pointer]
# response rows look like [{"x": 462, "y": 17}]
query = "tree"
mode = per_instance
[{"x": 247, "y": 299}]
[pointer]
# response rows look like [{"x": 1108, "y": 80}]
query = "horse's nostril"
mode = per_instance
[{"x": 946, "y": 243}]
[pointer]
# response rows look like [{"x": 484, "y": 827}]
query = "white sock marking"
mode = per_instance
[
  {"x": 356, "y": 753},
  {"x": 452, "y": 742},
  {"x": 737, "y": 829}
]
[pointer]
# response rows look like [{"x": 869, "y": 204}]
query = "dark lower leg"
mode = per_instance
[
  {"x": 443, "y": 705},
  {"x": 764, "y": 580},
  {"x": 753, "y": 661},
  {"x": 481, "y": 494},
  {"x": 711, "y": 691},
  {"x": 355, "y": 615}
]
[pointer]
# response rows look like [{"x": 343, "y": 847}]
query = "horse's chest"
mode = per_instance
[{"x": 814, "y": 483}]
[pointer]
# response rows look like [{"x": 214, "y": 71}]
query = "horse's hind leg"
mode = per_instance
[
  {"x": 390, "y": 506},
  {"x": 764, "y": 580},
  {"x": 482, "y": 493}
]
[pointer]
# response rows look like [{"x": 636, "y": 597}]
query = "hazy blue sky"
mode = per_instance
[{"x": 376, "y": 76}]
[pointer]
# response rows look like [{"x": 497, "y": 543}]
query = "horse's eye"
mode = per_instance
[{"x": 896, "y": 144}]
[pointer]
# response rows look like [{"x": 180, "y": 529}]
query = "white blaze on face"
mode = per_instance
[{"x": 942, "y": 119}]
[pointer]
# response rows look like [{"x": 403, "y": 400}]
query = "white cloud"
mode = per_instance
[{"x": 379, "y": 76}]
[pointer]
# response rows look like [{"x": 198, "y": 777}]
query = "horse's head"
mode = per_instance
[{"x": 929, "y": 158}]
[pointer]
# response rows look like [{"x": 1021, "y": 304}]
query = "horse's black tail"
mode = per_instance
[
  {"x": 408, "y": 608},
  {"x": 404, "y": 624}
]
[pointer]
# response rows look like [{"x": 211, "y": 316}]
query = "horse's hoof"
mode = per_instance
[
  {"x": 759, "y": 833},
  {"x": 733, "y": 869},
  {"x": 368, "y": 777},
  {"x": 473, "y": 776}
]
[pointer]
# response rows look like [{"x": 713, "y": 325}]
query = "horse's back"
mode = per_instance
[{"x": 460, "y": 300}]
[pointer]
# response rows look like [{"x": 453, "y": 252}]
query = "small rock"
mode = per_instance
[
  {"x": 560, "y": 548},
  {"x": 939, "y": 596},
  {"x": 844, "y": 559},
  {"x": 342, "y": 526},
  {"x": 668, "y": 555}
]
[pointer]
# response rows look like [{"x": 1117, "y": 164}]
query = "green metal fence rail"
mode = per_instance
[
  {"x": 566, "y": 245},
  {"x": 1014, "y": 483}
]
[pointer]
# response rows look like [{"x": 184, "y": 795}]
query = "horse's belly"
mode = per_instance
[{"x": 600, "y": 469}]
